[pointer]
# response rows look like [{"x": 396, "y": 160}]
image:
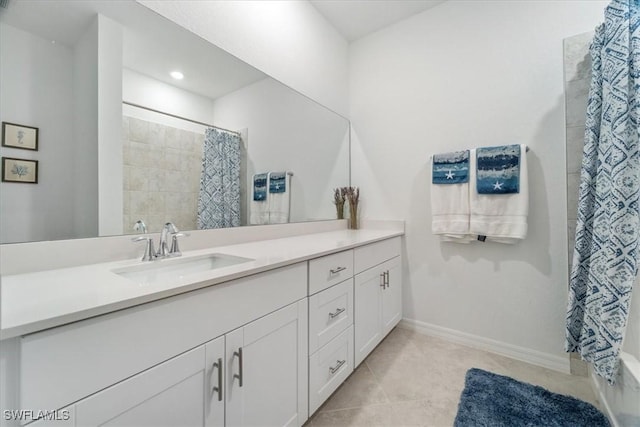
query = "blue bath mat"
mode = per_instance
[{"x": 494, "y": 400}]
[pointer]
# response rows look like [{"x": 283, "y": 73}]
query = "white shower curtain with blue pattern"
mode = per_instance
[
  {"x": 605, "y": 260},
  {"x": 219, "y": 199}
]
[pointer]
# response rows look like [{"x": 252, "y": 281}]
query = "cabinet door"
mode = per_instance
[
  {"x": 392, "y": 295},
  {"x": 214, "y": 383},
  {"x": 267, "y": 370},
  {"x": 169, "y": 394},
  {"x": 367, "y": 306}
]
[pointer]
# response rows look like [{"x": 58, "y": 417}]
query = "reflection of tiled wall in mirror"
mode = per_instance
[
  {"x": 577, "y": 78},
  {"x": 161, "y": 179}
]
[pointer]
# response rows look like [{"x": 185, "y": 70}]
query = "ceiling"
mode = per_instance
[
  {"x": 152, "y": 45},
  {"x": 357, "y": 18}
]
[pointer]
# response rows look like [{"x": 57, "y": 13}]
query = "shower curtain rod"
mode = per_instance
[{"x": 180, "y": 117}]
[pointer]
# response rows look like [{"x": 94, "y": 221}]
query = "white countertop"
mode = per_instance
[{"x": 33, "y": 302}]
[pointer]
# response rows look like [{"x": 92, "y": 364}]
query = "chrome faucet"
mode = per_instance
[{"x": 163, "y": 246}]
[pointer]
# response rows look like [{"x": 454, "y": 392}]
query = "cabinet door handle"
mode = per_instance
[
  {"x": 386, "y": 278},
  {"x": 239, "y": 374},
  {"x": 218, "y": 389},
  {"x": 337, "y": 270},
  {"x": 337, "y": 313},
  {"x": 382, "y": 280},
  {"x": 334, "y": 369}
]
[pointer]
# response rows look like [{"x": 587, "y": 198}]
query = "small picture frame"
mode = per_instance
[
  {"x": 19, "y": 170},
  {"x": 19, "y": 136}
]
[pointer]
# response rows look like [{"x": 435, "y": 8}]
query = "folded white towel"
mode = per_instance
[
  {"x": 450, "y": 210},
  {"x": 259, "y": 209},
  {"x": 279, "y": 202},
  {"x": 500, "y": 217}
]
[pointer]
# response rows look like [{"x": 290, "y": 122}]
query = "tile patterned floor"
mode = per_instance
[{"x": 415, "y": 380}]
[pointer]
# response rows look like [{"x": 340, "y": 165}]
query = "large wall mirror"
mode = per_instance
[{"x": 120, "y": 139}]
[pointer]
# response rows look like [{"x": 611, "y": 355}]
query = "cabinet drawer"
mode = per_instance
[
  {"x": 330, "y": 312},
  {"x": 329, "y": 270},
  {"x": 329, "y": 367},
  {"x": 371, "y": 255}
]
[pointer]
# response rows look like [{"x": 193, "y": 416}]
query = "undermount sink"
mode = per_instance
[{"x": 177, "y": 268}]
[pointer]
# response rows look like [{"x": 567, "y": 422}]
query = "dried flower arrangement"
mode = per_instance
[
  {"x": 352, "y": 194},
  {"x": 338, "y": 200}
]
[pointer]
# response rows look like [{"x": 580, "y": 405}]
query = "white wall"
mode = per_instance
[
  {"x": 461, "y": 75},
  {"x": 289, "y": 132},
  {"x": 85, "y": 155},
  {"x": 109, "y": 53},
  {"x": 289, "y": 40},
  {"x": 37, "y": 90}
]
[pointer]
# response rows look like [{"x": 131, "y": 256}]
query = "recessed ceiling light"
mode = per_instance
[{"x": 177, "y": 75}]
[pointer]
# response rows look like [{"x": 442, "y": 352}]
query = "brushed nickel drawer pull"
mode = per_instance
[
  {"x": 337, "y": 313},
  {"x": 337, "y": 270},
  {"x": 386, "y": 275},
  {"x": 382, "y": 280},
  {"x": 335, "y": 369},
  {"x": 239, "y": 374},
  {"x": 218, "y": 389}
]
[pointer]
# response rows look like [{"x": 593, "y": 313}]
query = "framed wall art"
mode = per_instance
[
  {"x": 19, "y": 136},
  {"x": 19, "y": 170}
]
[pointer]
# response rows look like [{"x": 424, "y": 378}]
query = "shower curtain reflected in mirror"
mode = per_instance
[{"x": 219, "y": 198}]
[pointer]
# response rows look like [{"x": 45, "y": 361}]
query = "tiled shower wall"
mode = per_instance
[
  {"x": 577, "y": 74},
  {"x": 577, "y": 78},
  {"x": 162, "y": 166}
]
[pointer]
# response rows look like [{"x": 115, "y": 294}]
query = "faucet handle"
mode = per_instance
[
  {"x": 140, "y": 226},
  {"x": 149, "y": 251},
  {"x": 175, "y": 249}
]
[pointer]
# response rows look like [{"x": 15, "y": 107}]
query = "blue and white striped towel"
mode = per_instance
[
  {"x": 450, "y": 168},
  {"x": 260, "y": 187},
  {"x": 498, "y": 169}
]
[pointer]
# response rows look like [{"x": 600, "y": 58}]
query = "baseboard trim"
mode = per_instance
[{"x": 550, "y": 361}]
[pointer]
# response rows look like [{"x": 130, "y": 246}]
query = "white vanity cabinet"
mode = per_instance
[
  {"x": 377, "y": 294},
  {"x": 266, "y": 349},
  {"x": 254, "y": 375},
  {"x": 136, "y": 364}
]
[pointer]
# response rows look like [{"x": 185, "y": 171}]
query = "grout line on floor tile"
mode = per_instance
[{"x": 378, "y": 383}]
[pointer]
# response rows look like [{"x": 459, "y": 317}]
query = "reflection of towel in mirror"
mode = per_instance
[
  {"x": 499, "y": 216},
  {"x": 279, "y": 197},
  {"x": 259, "y": 200}
]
